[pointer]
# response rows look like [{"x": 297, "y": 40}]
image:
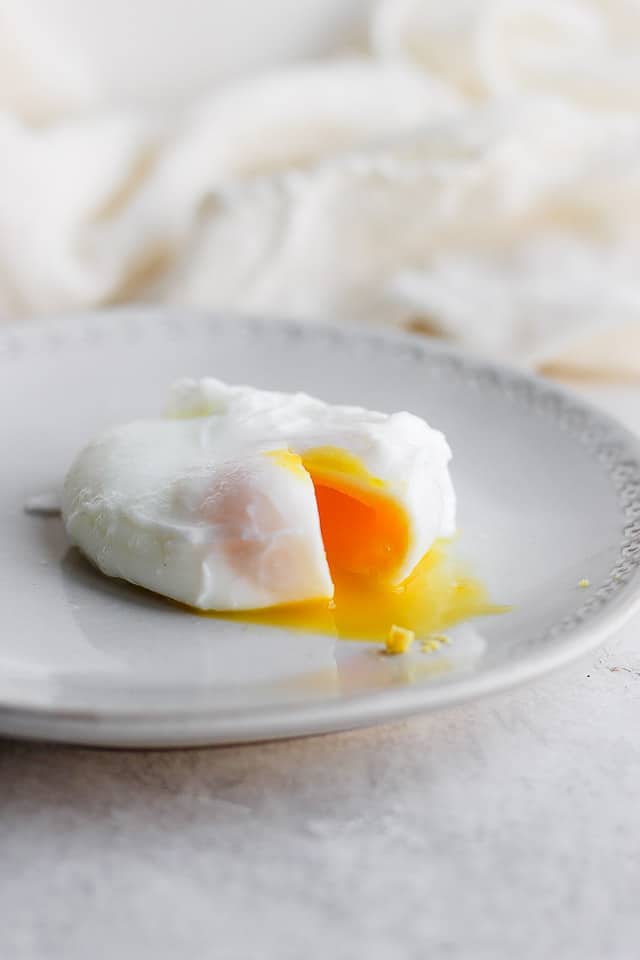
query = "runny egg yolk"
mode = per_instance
[
  {"x": 366, "y": 536},
  {"x": 364, "y": 531}
]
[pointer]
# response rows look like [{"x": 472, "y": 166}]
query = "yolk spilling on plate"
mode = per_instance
[
  {"x": 437, "y": 594},
  {"x": 366, "y": 536}
]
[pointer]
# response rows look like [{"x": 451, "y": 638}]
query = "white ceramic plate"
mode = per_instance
[{"x": 549, "y": 494}]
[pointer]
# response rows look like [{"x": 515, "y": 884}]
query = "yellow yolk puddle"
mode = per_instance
[{"x": 437, "y": 595}]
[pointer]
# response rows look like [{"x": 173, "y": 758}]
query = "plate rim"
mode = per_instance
[{"x": 603, "y": 612}]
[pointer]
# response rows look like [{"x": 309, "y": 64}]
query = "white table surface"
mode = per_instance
[{"x": 508, "y": 828}]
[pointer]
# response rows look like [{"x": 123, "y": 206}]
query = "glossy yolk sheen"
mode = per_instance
[
  {"x": 364, "y": 531},
  {"x": 366, "y": 536}
]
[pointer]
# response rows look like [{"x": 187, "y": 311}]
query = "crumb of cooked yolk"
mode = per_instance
[
  {"x": 584, "y": 583},
  {"x": 434, "y": 642},
  {"x": 398, "y": 639}
]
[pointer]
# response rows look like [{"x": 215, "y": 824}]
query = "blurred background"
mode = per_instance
[{"x": 469, "y": 170}]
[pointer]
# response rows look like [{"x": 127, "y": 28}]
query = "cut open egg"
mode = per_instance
[{"x": 276, "y": 507}]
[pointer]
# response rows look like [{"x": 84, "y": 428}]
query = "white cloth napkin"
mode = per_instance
[{"x": 475, "y": 173}]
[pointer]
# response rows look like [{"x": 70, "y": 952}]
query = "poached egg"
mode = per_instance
[{"x": 259, "y": 503}]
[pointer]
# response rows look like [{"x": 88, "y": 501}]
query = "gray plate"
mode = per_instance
[{"x": 548, "y": 490}]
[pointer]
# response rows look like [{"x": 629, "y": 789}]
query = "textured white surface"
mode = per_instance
[{"x": 507, "y": 828}]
